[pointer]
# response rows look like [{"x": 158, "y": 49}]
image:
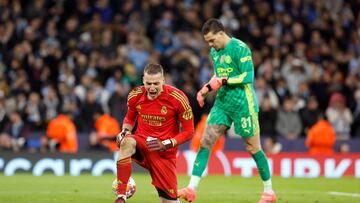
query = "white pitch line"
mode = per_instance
[{"x": 345, "y": 194}]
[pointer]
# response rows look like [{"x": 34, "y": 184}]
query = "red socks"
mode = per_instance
[{"x": 124, "y": 169}]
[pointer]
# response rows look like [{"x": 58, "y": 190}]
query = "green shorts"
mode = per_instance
[{"x": 246, "y": 124}]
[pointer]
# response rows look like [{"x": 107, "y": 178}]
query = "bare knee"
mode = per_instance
[
  {"x": 252, "y": 144},
  {"x": 252, "y": 149},
  {"x": 127, "y": 147}
]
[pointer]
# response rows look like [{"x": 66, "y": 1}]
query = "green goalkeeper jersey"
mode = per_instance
[{"x": 235, "y": 63}]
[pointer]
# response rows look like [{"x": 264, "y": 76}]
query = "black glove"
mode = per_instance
[
  {"x": 121, "y": 135},
  {"x": 154, "y": 144}
]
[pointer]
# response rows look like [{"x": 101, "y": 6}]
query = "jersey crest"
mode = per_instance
[
  {"x": 163, "y": 110},
  {"x": 227, "y": 59}
]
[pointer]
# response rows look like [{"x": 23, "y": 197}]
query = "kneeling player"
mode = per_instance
[{"x": 159, "y": 110}]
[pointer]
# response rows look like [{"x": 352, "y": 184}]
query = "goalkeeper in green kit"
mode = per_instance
[{"x": 235, "y": 103}]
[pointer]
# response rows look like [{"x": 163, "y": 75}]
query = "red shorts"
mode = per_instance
[{"x": 161, "y": 166}]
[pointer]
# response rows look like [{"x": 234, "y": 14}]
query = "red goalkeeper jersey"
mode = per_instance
[{"x": 167, "y": 116}]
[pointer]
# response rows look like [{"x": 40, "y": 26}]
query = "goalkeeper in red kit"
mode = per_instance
[{"x": 160, "y": 111}]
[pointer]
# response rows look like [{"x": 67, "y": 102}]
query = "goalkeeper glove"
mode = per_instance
[
  {"x": 154, "y": 144},
  {"x": 216, "y": 83},
  {"x": 121, "y": 135},
  {"x": 200, "y": 97}
]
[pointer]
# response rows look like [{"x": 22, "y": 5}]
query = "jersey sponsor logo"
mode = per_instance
[
  {"x": 245, "y": 58},
  {"x": 153, "y": 120},
  {"x": 224, "y": 71},
  {"x": 228, "y": 59},
  {"x": 163, "y": 110},
  {"x": 216, "y": 58},
  {"x": 188, "y": 114},
  {"x": 153, "y": 117}
]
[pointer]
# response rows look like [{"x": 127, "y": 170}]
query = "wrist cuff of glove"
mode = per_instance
[
  {"x": 125, "y": 130},
  {"x": 169, "y": 143},
  {"x": 209, "y": 87}
]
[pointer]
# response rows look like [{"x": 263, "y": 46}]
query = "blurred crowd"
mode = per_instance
[{"x": 80, "y": 58}]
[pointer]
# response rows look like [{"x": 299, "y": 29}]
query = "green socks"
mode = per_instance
[
  {"x": 201, "y": 161},
  {"x": 262, "y": 165},
  {"x": 199, "y": 166}
]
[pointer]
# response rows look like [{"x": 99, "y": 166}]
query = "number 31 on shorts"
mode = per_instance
[{"x": 246, "y": 122}]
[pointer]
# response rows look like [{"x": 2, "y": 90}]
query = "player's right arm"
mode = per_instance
[
  {"x": 131, "y": 114},
  {"x": 201, "y": 94}
]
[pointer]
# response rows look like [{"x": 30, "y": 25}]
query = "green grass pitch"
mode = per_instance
[{"x": 23, "y": 188}]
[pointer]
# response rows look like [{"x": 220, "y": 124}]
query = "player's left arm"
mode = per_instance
[
  {"x": 186, "y": 118},
  {"x": 244, "y": 62}
]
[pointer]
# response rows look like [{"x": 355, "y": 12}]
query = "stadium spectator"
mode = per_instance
[
  {"x": 4, "y": 119},
  {"x": 117, "y": 77},
  {"x": 267, "y": 118},
  {"x": 15, "y": 134},
  {"x": 35, "y": 112},
  {"x": 88, "y": 109},
  {"x": 117, "y": 102},
  {"x": 51, "y": 102},
  {"x": 288, "y": 123},
  {"x": 321, "y": 137},
  {"x": 295, "y": 71},
  {"x": 106, "y": 129},
  {"x": 67, "y": 97},
  {"x": 281, "y": 90},
  {"x": 158, "y": 110},
  {"x": 310, "y": 114},
  {"x": 265, "y": 90},
  {"x": 339, "y": 116},
  {"x": 60, "y": 136},
  {"x": 355, "y": 128},
  {"x": 344, "y": 148}
]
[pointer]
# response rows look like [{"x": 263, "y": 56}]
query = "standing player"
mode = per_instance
[
  {"x": 160, "y": 111},
  {"x": 235, "y": 102}
]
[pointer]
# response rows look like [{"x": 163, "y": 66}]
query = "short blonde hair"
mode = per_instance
[{"x": 153, "y": 69}]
